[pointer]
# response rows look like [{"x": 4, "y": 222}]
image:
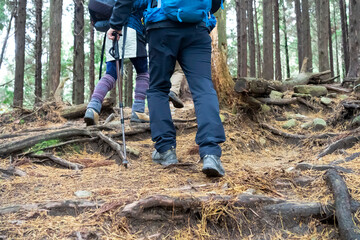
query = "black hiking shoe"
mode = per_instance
[
  {"x": 166, "y": 158},
  {"x": 212, "y": 166},
  {"x": 176, "y": 101}
]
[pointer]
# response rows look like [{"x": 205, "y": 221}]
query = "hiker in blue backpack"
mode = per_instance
[
  {"x": 179, "y": 30},
  {"x": 135, "y": 49}
]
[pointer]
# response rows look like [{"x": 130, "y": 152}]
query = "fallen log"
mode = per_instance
[
  {"x": 347, "y": 228},
  {"x": 11, "y": 147},
  {"x": 57, "y": 160},
  {"x": 343, "y": 143},
  {"x": 337, "y": 88},
  {"x": 283, "y": 101},
  {"x": 259, "y": 86},
  {"x": 78, "y": 111},
  {"x": 323, "y": 81}
]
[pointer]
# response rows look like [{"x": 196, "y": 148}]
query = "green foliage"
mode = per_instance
[
  {"x": 36, "y": 148},
  {"x": 3, "y": 15},
  {"x": 76, "y": 148}
]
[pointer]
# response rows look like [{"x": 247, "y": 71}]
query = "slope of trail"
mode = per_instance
[{"x": 148, "y": 201}]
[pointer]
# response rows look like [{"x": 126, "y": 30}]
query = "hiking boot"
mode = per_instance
[
  {"x": 91, "y": 117},
  {"x": 166, "y": 158},
  {"x": 139, "y": 117},
  {"x": 212, "y": 166},
  {"x": 176, "y": 101}
]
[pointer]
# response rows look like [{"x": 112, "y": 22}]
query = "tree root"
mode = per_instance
[
  {"x": 347, "y": 159},
  {"x": 55, "y": 208},
  {"x": 307, "y": 166},
  {"x": 57, "y": 160},
  {"x": 343, "y": 143},
  {"x": 281, "y": 133},
  {"x": 266, "y": 206},
  {"x": 347, "y": 228},
  {"x": 12, "y": 171}
]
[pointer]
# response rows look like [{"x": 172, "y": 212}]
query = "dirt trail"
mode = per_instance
[{"x": 257, "y": 163}]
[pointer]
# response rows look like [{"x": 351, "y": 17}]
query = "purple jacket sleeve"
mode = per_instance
[{"x": 121, "y": 13}]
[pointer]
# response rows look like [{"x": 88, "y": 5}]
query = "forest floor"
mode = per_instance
[{"x": 148, "y": 201}]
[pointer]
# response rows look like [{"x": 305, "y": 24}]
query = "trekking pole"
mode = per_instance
[{"x": 114, "y": 51}]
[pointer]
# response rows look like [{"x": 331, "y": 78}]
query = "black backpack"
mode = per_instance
[{"x": 100, "y": 13}]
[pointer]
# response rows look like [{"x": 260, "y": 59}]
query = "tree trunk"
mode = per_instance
[
  {"x": 331, "y": 55},
  {"x": 286, "y": 41},
  {"x": 345, "y": 36},
  {"x": 354, "y": 39},
  {"x": 38, "y": 51},
  {"x": 20, "y": 21},
  {"x": 221, "y": 16},
  {"x": 336, "y": 41},
  {"x": 238, "y": 30},
  {"x": 299, "y": 32},
  {"x": 13, "y": 12},
  {"x": 78, "y": 70},
  {"x": 323, "y": 34},
  {"x": 220, "y": 74},
  {"x": 92, "y": 61},
  {"x": 258, "y": 48},
  {"x": 306, "y": 36},
  {"x": 278, "y": 74},
  {"x": 128, "y": 88},
  {"x": 243, "y": 39},
  {"x": 251, "y": 39},
  {"x": 54, "y": 47},
  {"x": 268, "y": 51}
]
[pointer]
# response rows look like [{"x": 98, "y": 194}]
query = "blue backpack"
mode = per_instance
[{"x": 188, "y": 11}]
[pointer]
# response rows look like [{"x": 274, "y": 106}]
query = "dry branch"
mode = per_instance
[
  {"x": 307, "y": 166},
  {"x": 114, "y": 145},
  {"x": 343, "y": 143},
  {"x": 11, "y": 147},
  {"x": 347, "y": 228},
  {"x": 57, "y": 160},
  {"x": 281, "y": 133}
]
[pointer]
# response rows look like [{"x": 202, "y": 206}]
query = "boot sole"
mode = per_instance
[
  {"x": 210, "y": 172},
  {"x": 176, "y": 104},
  {"x": 89, "y": 121},
  {"x": 138, "y": 121}
]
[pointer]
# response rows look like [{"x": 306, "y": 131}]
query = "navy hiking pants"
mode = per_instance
[{"x": 191, "y": 46}]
